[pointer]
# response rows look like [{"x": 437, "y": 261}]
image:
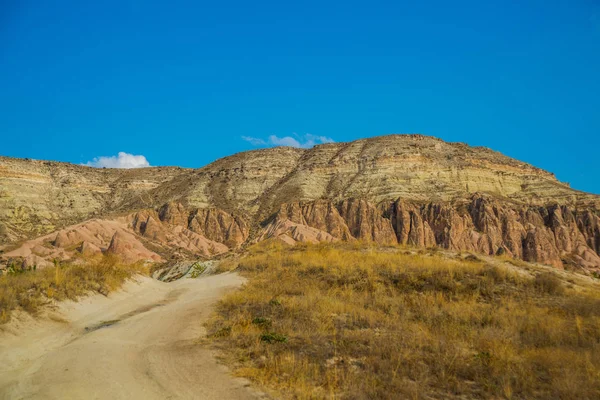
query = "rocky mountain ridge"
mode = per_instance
[{"x": 408, "y": 189}]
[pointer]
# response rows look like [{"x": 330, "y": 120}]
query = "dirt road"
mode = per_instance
[{"x": 138, "y": 343}]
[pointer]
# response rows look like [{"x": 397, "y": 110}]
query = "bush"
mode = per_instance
[
  {"x": 271, "y": 337},
  {"x": 261, "y": 321},
  {"x": 197, "y": 269},
  {"x": 548, "y": 283}
]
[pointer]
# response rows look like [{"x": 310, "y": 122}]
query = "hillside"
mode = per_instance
[
  {"x": 408, "y": 189},
  {"x": 349, "y": 321}
]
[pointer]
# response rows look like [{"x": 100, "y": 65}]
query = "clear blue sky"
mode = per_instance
[{"x": 182, "y": 82}]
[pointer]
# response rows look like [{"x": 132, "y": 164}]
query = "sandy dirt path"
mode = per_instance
[{"x": 138, "y": 343}]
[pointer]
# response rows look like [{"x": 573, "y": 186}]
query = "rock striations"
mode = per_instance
[
  {"x": 553, "y": 235},
  {"x": 408, "y": 189}
]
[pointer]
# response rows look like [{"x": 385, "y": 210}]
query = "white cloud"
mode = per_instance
[
  {"x": 284, "y": 141},
  {"x": 254, "y": 141},
  {"x": 122, "y": 160},
  {"x": 303, "y": 141}
]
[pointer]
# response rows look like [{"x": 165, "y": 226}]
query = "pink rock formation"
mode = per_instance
[{"x": 552, "y": 235}]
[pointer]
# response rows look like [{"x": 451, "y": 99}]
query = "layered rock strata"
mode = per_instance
[{"x": 408, "y": 189}]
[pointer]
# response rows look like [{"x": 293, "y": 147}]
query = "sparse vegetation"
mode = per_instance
[
  {"x": 349, "y": 321},
  {"x": 548, "y": 283},
  {"x": 28, "y": 290},
  {"x": 197, "y": 269}
]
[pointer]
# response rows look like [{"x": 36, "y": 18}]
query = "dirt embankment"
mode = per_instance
[{"x": 138, "y": 343}]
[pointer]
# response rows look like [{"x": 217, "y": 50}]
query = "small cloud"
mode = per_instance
[
  {"x": 122, "y": 160},
  {"x": 285, "y": 141},
  {"x": 301, "y": 141},
  {"x": 254, "y": 141}
]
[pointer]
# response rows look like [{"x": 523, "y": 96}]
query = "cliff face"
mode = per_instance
[
  {"x": 547, "y": 234},
  {"x": 553, "y": 235},
  {"x": 408, "y": 189}
]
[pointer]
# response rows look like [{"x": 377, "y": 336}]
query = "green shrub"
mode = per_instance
[{"x": 272, "y": 337}]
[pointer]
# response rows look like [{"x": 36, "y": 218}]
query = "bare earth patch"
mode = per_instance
[{"x": 140, "y": 342}]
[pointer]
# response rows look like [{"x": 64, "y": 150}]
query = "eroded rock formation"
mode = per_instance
[
  {"x": 553, "y": 235},
  {"x": 408, "y": 189}
]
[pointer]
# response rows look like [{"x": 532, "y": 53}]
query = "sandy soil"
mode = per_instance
[{"x": 138, "y": 343}]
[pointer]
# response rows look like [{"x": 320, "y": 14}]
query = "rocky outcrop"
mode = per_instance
[
  {"x": 408, "y": 189},
  {"x": 551, "y": 235},
  {"x": 165, "y": 230},
  {"x": 174, "y": 214},
  {"x": 349, "y": 220},
  {"x": 219, "y": 226},
  {"x": 554, "y": 235},
  {"x": 117, "y": 244},
  {"x": 212, "y": 223},
  {"x": 321, "y": 215},
  {"x": 291, "y": 233},
  {"x": 88, "y": 249},
  {"x": 34, "y": 262},
  {"x": 365, "y": 222},
  {"x": 87, "y": 239},
  {"x": 38, "y": 197},
  {"x": 61, "y": 240},
  {"x": 410, "y": 227},
  {"x": 126, "y": 246},
  {"x": 173, "y": 227}
]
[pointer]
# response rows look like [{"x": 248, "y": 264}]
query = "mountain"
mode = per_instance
[{"x": 409, "y": 189}]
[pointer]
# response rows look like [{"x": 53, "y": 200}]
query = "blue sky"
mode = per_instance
[{"x": 184, "y": 83}]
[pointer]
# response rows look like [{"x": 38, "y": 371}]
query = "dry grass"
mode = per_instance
[
  {"x": 28, "y": 290},
  {"x": 353, "y": 322}
]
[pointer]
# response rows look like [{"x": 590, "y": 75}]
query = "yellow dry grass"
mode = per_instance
[
  {"x": 28, "y": 290},
  {"x": 350, "y": 321}
]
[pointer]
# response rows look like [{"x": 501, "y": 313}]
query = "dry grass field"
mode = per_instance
[
  {"x": 28, "y": 290},
  {"x": 357, "y": 322}
]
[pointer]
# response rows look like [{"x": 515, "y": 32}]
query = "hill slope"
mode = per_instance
[{"x": 410, "y": 189}]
